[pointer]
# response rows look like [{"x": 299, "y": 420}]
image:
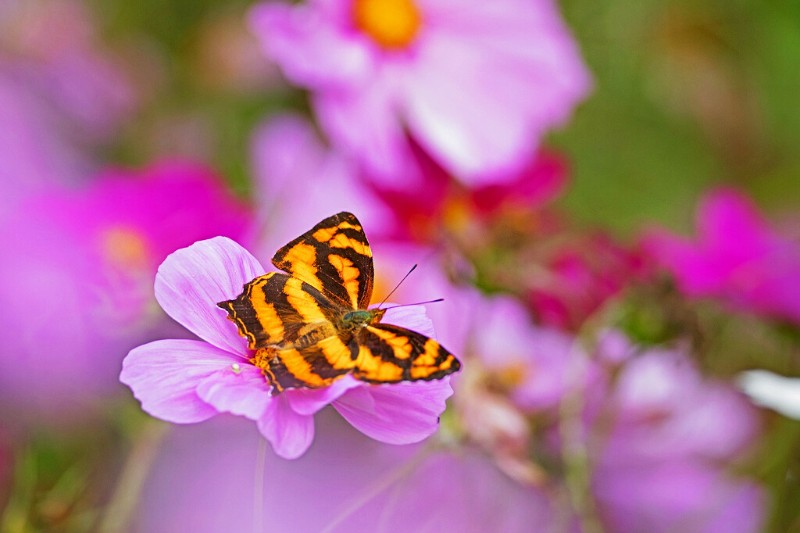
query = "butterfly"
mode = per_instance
[{"x": 310, "y": 324}]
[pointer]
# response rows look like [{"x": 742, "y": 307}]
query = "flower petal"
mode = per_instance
[
  {"x": 396, "y": 414},
  {"x": 310, "y": 49},
  {"x": 164, "y": 376},
  {"x": 289, "y": 433},
  {"x": 766, "y": 389},
  {"x": 243, "y": 391},
  {"x": 413, "y": 317},
  {"x": 191, "y": 281},
  {"x": 309, "y": 401}
]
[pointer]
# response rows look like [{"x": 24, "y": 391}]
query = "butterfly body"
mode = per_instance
[
  {"x": 311, "y": 325},
  {"x": 353, "y": 320}
]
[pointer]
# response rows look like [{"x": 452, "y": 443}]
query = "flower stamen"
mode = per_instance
[{"x": 393, "y": 24}]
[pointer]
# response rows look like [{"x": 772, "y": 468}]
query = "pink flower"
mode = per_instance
[
  {"x": 186, "y": 381},
  {"x": 291, "y": 165},
  {"x": 476, "y": 84},
  {"x": 76, "y": 278},
  {"x": 539, "y": 365},
  {"x": 736, "y": 258},
  {"x": 577, "y": 275},
  {"x": 36, "y": 154},
  {"x": 661, "y": 442},
  {"x": 448, "y": 207}
]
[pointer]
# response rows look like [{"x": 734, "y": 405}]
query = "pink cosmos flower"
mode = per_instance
[
  {"x": 76, "y": 278},
  {"x": 186, "y": 381},
  {"x": 663, "y": 436},
  {"x": 476, "y": 84},
  {"x": 737, "y": 258}
]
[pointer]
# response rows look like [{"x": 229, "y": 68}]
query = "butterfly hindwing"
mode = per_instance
[
  {"x": 335, "y": 258},
  {"x": 389, "y": 354},
  {"x": 312, "y": 366}
]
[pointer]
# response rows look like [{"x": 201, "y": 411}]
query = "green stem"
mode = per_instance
[{"x": 125, "y": 497}]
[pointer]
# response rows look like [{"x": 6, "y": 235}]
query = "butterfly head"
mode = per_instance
[{"x": 353, "y": 320}]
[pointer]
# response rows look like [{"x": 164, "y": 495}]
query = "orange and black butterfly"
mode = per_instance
[{"x": 311, "y": 326}]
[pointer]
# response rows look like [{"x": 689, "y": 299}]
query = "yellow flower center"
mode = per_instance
[
  {"x": 457, "y": 213},
  {"x": 125, "y": 247},
  {"x": 391, "y": 23}
]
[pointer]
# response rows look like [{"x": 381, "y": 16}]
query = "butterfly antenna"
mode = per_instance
[
  {"x": 412, "y": 269},
  {"x": 417, "y": 303}
]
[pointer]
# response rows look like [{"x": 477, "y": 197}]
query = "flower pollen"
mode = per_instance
[{"x": 393, "y": 24}]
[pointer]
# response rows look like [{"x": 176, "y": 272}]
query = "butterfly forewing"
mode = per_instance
[
  {"x": 335, "y": 258},
  {"x": 277, "y": 309}
]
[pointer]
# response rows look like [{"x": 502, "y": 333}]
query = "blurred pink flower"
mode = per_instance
[
  {"x": 535, "y": 365},
  {"x": 662, "y": 440},
  {"x": 61, "y": 96},
  {"x": 737, "y": 258},
  {"x": 35, "y": 154},
  {"x": 345, "y": 482},
  {"x": 291, "y": 166},
  {"x": 577, "y": 274},
  {"x": 657, "y": 434},
  {"x": 76, "y": 278},
  {"x": 378, "y": 69},
  {"x": 448, "y": 206},
  {"x": 53, "y": 48},
  {"x": 186, "y": 381}
]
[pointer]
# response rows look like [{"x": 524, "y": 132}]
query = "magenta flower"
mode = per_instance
[
  {"x": 736, "y": 258},
  {"x": 380, "y": 68},
  {"x": 186, "y": 381},
  {"x": 578, "y": 274},
  {"x": 76, "y": 278}
]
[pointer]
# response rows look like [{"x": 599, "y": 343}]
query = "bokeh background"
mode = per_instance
[{"x": 654, "y": 244}]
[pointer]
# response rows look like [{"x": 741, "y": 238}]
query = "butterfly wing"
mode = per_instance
[
  {"x": 276, "y": 309},
  {"x": 389, "y": 354},
  {"x": 334, "y": 257},
  {"x": 312, "y": 366},
  {"x": 290, "y": 325}
]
